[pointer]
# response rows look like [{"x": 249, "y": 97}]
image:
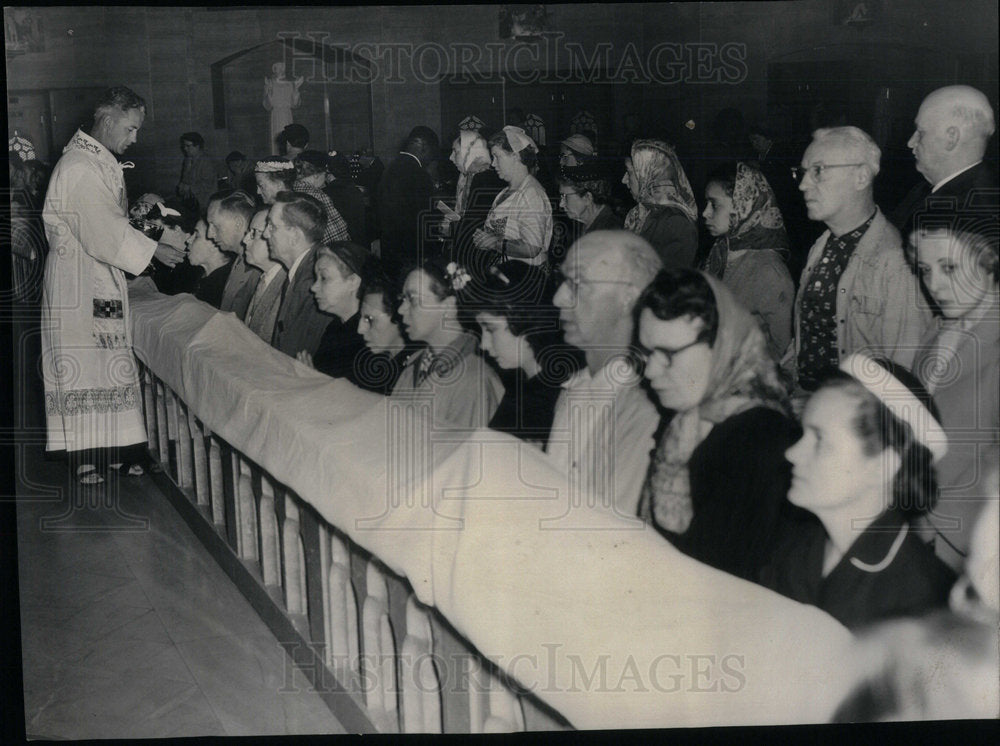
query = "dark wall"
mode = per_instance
[{"x": 712, "y": 56}]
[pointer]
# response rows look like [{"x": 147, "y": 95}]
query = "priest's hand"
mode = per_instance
[
  {"x": 305, "y": 358},
  {"x": 168, "y": 254}
]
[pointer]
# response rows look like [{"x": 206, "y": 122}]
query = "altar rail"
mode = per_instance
[{"x": 381, "y": 660}]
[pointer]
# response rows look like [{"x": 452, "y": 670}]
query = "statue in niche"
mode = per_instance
[{"x": 280, "y": 97}]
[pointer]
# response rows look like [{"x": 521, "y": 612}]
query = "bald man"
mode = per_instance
[
  {"x": 953, "y": 127},
  {"x": 602, "y": 430}
]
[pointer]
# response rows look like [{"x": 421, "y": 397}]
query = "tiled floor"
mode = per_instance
[{"x": 130, "y": 629}]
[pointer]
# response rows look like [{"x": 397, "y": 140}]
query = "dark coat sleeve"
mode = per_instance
[
  {"x": 674, "y": 237},
  {"x": 739, "y": 482},
  {"x": 404, "y": 196}
]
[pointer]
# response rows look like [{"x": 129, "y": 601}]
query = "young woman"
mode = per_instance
[
  {"x": 381, "y": 327},
  {"x": 959, "y": 363},
  {"x": 750, "y": 248},
  {"x": 666, "y": 213},
  {"x": 716, "y": 488},
  {"x": 465, "y": 390},
  {"x": 520, "y": 331},
  {"x": 864, "y": 468},
  {"x": 519, "y": 225}
]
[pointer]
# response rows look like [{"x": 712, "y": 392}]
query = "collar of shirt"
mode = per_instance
[
  {"x": 295, "y": 266},
  {"x": 403, "y": 152},
  {"x": 606, "y": 379},
  {"x": 96, "y": 147},
  {"x": 268, "y": 277},
  {"x": 877, "y": 546},
  {"x": 946, "y": 179}
]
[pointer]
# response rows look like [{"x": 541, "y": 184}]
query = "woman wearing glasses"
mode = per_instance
[
  {"x": 585, "y": 196},
  {"x": 716, "y": 487},
  {"x": 266, "y": 300}
]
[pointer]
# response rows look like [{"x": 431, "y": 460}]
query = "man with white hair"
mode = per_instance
[
  {"x": 857, "y": 291},
  {"x": 953, "y": 127},
  {"x": 604, "y": 417}
]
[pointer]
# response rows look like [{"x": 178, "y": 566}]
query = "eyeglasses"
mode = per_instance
[
  {"x": 564, "y": 195},
  {"x": 574, "y": 283},
  {"x": 669, "y": 355},
  {"x": 817, "y": 169}
]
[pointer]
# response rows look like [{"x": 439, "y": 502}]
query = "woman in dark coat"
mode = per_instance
[
  {"x": 666, "y": 213},
  {"x": 864, "y": 468},
  {"x": 716, "y": 487}
]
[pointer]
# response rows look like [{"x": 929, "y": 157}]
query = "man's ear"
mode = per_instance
[
  {"x": 355, "y": 280},
  {"x": 952, "y": 136},
  {"x": 863, "y": 177}
]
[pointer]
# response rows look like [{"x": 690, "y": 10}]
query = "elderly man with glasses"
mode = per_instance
[
  {"x": 857, "y": 291},
  {"x": 603, "y": 425}
]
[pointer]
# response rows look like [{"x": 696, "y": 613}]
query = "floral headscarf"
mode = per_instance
[
  {"x": 754, "y": 223},
  {"x": 743, "y": 376},
  {"x": 473, "y": 157},
  {"x": 662, "y": 181}
]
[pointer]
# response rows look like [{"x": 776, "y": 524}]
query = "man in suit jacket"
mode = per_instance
[
  {"x": 229, "y": 214},
  {"x": 294, "y": 231},
  {"x": 263, "y": 309},
  {"x": 953, "y": 126},
  {"x": 404, "y": 195}
]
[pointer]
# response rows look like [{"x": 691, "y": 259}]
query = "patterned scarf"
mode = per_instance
[
  {"x": 743, "y": 376},
  {"x": 754, "y": 223},
  {"x": 473, "y": 158},
  {"x": 662, "y": 181}
]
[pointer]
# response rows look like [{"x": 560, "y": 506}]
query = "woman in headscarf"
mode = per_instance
[
  {"x": 478, "y": 186},
  {"x": 750, "y": 248},
  {"x": 519, "y": 225},
  {"x": 666, "y": 213},
  {"x": 717, "y": 483}
]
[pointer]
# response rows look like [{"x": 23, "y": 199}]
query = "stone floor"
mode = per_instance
[{"x": 129, "y": 628}]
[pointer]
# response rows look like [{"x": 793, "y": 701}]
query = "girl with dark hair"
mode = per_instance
[
  {"x": 865, "y": 468},
  {"x": 750, "y": 249},
  {"x": 959, "y": 363},
  {"x": 465, "y": 390},
  {"x": 716, "y": 487},
  {"x": 520, "y": 331},
  {"x": 382, "y": 329}
]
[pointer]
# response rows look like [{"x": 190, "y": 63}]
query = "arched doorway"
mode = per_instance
[{"x": 335, "y": 98}]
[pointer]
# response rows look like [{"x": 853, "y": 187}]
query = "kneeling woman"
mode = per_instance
[
  {"x": 520, "y": 331},
  {"x": 717, "y": 485},
  {"x": 864, "y": 466},
  {"x": 465, "y": 390}
]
